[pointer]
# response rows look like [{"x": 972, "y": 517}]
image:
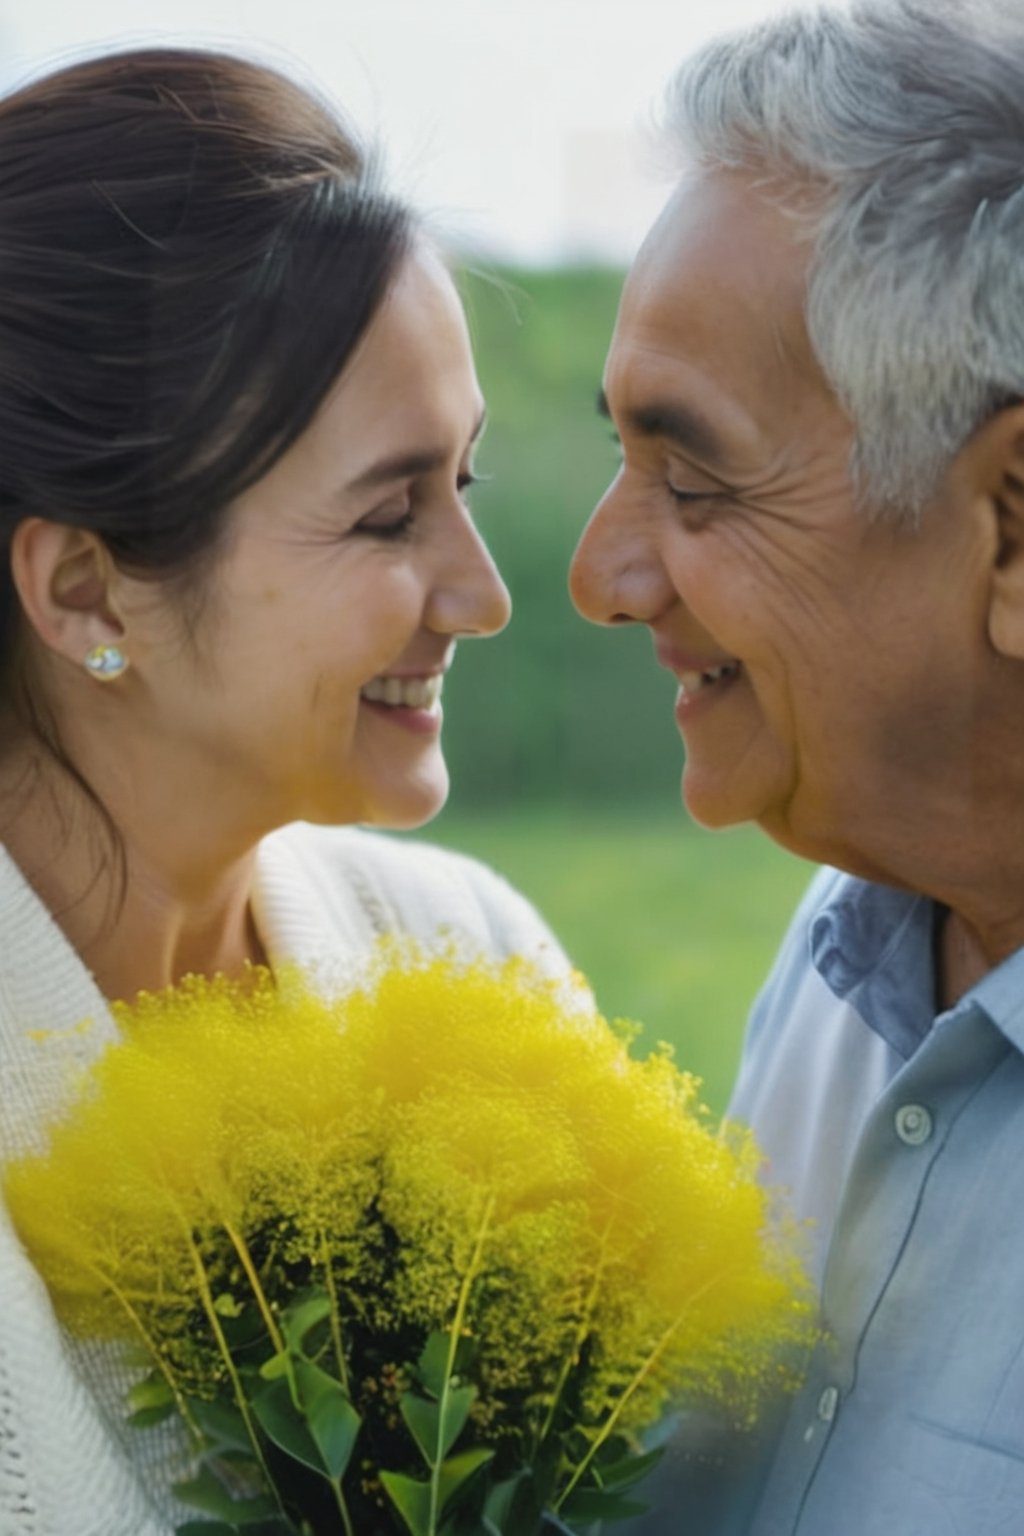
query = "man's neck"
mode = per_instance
[{"x": 967, "y": 946}]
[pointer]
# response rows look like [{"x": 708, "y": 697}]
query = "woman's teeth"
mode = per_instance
[
  {"x": 404, "y": 692},
  {"x": 693, "y": 682}
]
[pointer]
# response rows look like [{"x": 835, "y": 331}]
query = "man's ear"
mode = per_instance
[
  {"x": 998, "y": 453},
  {"x": 65, "y": 579}
]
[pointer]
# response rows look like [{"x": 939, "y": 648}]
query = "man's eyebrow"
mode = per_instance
[
  {"x": 680, "y": 424},
  {"x": 406, "y": 466}
]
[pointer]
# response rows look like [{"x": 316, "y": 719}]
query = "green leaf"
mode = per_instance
[
  {"x": 411, "y": 1499},
  {"x": 221, "y": 1423},
  {"x": 226, "y": 1305},
  {"x": 286, "y": 1425},
  {"x": 301, "y": 1316},
  {"x": 207, "y": 1492},
  {"x": 586, "y": 1505},
  {"x": 245, "y": 1330},
  {"x": 154, "y": 1391},
  {"x": 277, "y": 1365},
  {"x": 550, "y": 1525},
  {"x": 514, "y": 1505},
  {"x": 458, "y": 1471},
  {"x": 275, "y": 1527},
  {"x": 423, "y": 1419},
  {"x": 205, "y": 1528},
  {"x": 624, "y": 1473},
  {"x": 333, "y": 1422},
  {"x": 501, "y": 1497},
  {"x": 144, "y": 1417},
  {"x": 435, "y": 1432},
  {"x": 457, "y": 1407},
  {"x": 432, "y": 1366}
]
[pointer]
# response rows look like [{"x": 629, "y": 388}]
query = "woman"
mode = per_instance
[{"x": 237, "y": 421}]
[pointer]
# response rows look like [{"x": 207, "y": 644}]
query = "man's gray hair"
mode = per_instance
[{"x": 908, "y": 116}]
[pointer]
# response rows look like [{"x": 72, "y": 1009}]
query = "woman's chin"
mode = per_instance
[{"x": 404, "y": 808}]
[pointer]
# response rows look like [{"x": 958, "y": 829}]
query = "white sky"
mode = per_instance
[{"x": 520, "y": 122}]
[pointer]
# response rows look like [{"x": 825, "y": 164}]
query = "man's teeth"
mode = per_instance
[
  {"x": 693, "y": 682},
  {"x": 404, "y": 692}
]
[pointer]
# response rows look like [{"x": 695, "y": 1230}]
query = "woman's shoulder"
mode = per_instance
[{"x": 399, "y": 884}]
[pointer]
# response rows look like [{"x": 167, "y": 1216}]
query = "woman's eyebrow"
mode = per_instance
[{"x": 410, "y": 463}]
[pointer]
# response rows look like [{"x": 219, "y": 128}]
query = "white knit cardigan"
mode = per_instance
[{"x": 68, "y": 1465}]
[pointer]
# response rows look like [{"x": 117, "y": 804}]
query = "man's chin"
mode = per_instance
[{"x": 712, "y": 804}]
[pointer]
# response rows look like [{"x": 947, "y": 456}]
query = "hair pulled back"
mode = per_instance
[{"x": 191, "y": 247}]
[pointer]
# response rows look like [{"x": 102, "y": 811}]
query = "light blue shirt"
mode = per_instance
[{"x": 900, "y": 1133}]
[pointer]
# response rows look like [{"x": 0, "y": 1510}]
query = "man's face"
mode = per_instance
[{"x": 829, "y": 662}]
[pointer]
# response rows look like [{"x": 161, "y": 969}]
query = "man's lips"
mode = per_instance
[{"x": 694, "y": 672}]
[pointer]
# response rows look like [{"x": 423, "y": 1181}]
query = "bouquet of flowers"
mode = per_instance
[{"x": 426, "y": 1257}]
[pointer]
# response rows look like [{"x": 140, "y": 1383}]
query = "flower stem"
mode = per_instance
[
  {"x": 346, "y": 1518},
  {"x": 582, "y": 1329},
  {"x": 222, "y": 1344},
  {"x": 332, "y": 1293},
  {"x": 458, "y": 1322},
  {"x": 180, "y": 1400},
  {"x": 241, "y": 1247},
  {"x": 638, "y": 1380}
]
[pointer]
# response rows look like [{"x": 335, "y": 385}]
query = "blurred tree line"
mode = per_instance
[{"x": 554, "y": 709}]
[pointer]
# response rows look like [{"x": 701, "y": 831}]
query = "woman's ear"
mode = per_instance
[
  {"x": 1000, "y": 448},
  {"x": 66, "y": 581}
]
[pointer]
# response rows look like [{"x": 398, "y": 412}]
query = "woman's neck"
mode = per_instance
[{"x": 141, "y": 911}]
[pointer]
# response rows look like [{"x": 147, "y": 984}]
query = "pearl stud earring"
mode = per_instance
[{"x": 106, "y": 662}]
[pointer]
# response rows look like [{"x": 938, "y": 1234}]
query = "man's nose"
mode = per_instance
[{"x": 617, "y": 575}]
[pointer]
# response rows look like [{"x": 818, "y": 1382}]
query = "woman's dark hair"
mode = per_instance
[{"x": 191, "y": 247}]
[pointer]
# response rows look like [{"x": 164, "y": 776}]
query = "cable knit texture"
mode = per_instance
[{"x": 69, "y": 1466}]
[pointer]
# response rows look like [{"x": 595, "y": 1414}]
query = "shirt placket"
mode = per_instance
[{"x": 896, "y": 1155}]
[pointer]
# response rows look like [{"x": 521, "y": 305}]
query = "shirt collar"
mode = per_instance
[
  {"x": 1000, "y": 994},
  {"x": 872, "y": 946}
]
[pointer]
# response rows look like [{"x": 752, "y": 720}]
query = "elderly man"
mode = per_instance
[{"x": 817, "y": 376}]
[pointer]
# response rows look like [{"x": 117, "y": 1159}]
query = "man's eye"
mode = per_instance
[
  {"x": 687, "y": 498},
  {"x": 695, "y": 509}
]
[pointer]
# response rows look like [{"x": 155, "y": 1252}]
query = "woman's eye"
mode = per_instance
[{"x": 388, "y": 528}]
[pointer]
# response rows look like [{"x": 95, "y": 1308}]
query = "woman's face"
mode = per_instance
[{"x": 310, "y": 687}]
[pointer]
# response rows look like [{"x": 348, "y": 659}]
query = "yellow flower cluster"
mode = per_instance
[{"x": 598, "y": 1234}]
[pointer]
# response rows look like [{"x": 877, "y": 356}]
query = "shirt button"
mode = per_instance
[
  {"x": 913, "y": 1124},
  {"x": 828, "y": 1402}
]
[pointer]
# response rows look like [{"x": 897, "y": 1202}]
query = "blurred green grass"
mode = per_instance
[{"x": 674, "y": 926}]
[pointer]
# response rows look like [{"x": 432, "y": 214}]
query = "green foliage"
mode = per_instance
[{"x": 553, "y": 708}]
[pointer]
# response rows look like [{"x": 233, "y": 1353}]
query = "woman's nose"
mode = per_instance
[
  {"x": 470, "y": 597},
  {"x": 617, "y": 575}
]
